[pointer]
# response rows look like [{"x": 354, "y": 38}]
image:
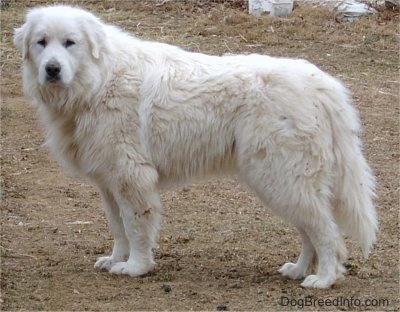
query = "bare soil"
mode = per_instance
[{"x": 219, "y": 249}]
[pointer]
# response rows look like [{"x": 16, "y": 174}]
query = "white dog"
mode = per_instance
[{"x": 135, "y": 116}]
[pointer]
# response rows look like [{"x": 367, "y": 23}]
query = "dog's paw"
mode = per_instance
[
  {"x": 292, "y": 270},
  {"x": 130, "y": 268},
  {"x": 315, "y": 281},
  {"x": 105, "y": 263}
]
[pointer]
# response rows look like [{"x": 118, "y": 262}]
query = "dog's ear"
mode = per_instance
[
  {"x": 21, "y": 40},
  {"x": 95, "y": 35}
]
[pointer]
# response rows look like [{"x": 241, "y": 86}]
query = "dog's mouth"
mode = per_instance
[{"x": 51, "y": 79}]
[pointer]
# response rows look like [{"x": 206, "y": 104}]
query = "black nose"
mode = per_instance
[{"x": 53, "y": 69}]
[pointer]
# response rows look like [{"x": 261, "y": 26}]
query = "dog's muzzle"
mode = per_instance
[{"x": 53, "y": 70}]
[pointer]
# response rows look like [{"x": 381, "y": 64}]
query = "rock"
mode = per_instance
[
  {"x": 167, "y": 288},
  {"x": 222, "y": 307}
]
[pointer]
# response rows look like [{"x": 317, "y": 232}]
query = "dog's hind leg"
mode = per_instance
[
  {"x": 322, "y": 234},
  {"x": 121, "y": 244},
  {"x": 303, "y": 265},
  {"x": 331, "y": 252},
  {"x": 140, "y": 208},
  {"x": 305, "y": 202}
]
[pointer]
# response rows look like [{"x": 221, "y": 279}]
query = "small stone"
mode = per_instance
[
  {"x": 222, "y": 307},
  {"x": 167, "y": 288}
]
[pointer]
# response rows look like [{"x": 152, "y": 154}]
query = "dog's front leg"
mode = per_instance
[
  {"x": 140, "y": 208},
  {"x": 121, "y": 244}
]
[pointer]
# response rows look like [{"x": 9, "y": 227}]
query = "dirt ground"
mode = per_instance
[{"x": 219, "y": 249}]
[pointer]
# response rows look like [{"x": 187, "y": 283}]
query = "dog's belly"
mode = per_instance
[{"x": 187, "y": 151}]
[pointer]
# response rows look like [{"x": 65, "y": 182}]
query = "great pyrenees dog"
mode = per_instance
[{"x": 135, "y": 117}]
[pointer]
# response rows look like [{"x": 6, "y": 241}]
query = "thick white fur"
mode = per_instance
[{"x": 136, "y": 116}]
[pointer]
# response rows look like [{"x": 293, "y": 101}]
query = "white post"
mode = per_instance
[{"x": 273, "y": 7}]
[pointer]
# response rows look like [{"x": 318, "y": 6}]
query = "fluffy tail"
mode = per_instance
[{"x": 354, "y": 184}]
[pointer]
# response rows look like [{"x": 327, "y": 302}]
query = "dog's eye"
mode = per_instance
[
  {"x": 42, "y": 42},
  {"x": 69, "y": 43}
]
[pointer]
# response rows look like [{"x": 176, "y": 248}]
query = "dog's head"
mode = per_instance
[{"x": 58, "y": 42}]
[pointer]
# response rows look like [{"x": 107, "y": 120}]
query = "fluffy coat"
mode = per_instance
[{"x": 135, "y": 116}]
